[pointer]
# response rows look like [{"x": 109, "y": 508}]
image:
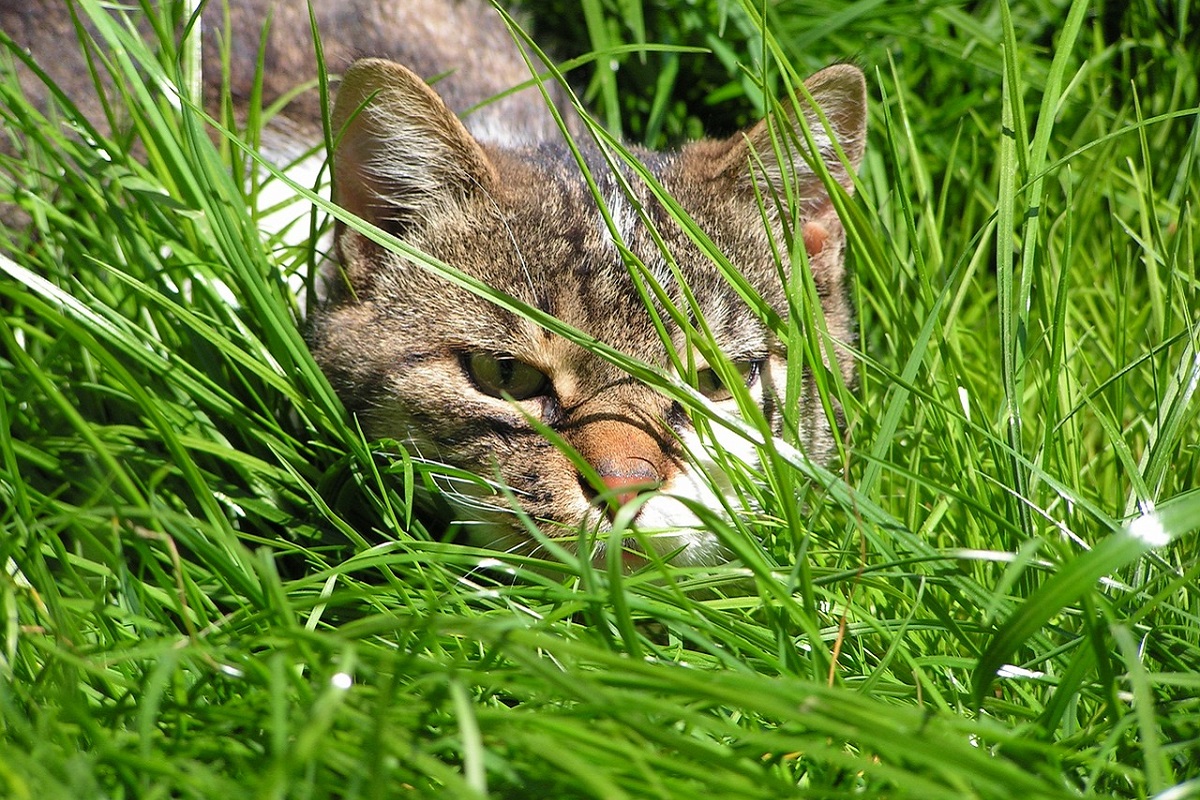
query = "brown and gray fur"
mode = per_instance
[{"x": 498, "y": 196}]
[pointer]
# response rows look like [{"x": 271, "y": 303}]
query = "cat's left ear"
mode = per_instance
[{"x": 762, "y": 157}]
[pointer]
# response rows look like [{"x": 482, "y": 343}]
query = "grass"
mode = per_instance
[{"x": 213, "y": 585}]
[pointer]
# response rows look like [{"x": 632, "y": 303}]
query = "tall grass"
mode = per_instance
[{"x": 214, "y": 585}]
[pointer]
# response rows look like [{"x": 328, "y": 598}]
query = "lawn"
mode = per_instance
[{"x": 214, "y": 586}]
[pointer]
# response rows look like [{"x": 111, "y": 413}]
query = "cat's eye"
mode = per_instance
[
  {"x": 504, "y": 375},
  {"x": 711, "y": 386}
]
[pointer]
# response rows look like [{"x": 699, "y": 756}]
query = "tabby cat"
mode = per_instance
[{"x": 499, "y": 196}]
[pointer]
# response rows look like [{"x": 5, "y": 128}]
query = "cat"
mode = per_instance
[{"x": 498, "y": 195}]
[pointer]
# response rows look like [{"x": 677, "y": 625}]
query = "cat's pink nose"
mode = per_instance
[
  {"x": 628, "y": 481},
  {"x": 632, "y": 486}
]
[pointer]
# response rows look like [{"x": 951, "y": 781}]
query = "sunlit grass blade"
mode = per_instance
[{"x": 1082, "y": 574}]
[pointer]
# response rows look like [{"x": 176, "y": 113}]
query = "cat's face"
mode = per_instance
[{"x": 466, "y": 382}]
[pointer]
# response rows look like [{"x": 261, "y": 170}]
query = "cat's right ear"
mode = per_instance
[
  {"x": 400, "y": 153},
  {"x": 834, "y": 112}
]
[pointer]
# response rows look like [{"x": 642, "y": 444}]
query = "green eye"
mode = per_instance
[
  {"x": 504, "y": 375},
  {"x": 711, "y": 386}
]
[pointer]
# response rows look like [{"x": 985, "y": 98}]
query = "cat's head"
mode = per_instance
[{"x": 467, "y": 382}]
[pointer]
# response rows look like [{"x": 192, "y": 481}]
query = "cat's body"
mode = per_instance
[
  {"x": 462, "y": 380},
  {"x": 460, "y": 43}
]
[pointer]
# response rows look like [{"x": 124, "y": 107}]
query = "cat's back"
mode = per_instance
[{"x": 463, "y": 46}]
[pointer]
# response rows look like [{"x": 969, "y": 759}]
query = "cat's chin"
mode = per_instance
[
  {"x": 682, "y": 547},
  {"x": 660, "y": 527},
  {"x": 678, "y": 545}
]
